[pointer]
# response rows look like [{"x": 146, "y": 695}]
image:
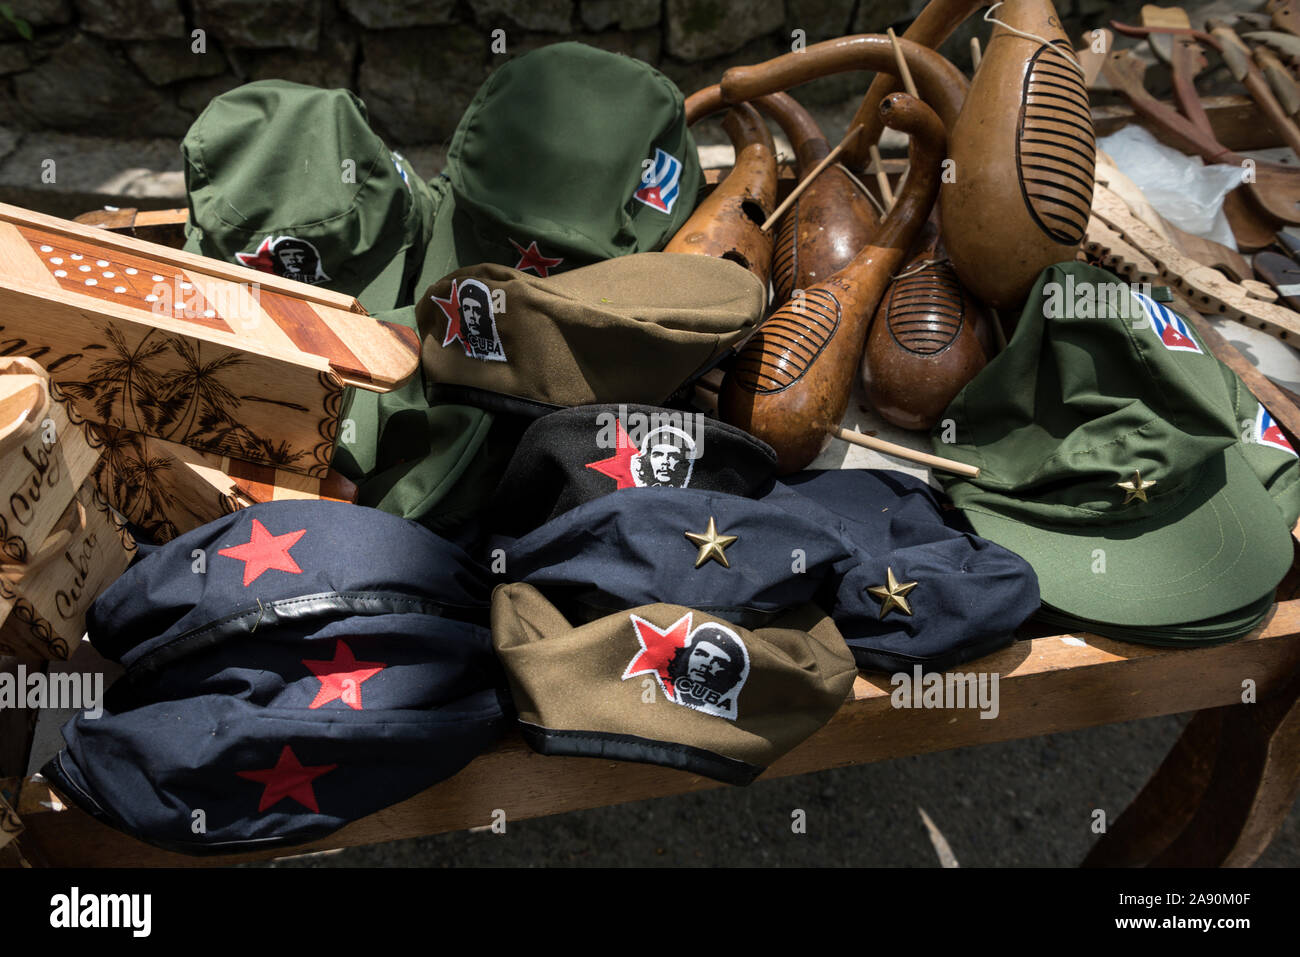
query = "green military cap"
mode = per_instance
[
  {"x": 568, "y": 155},
  {"x": 291, "y": 180},
  {"x": 1152, "y": 493},
  {"x": 665, "y": 684},
  {"x": 631, "y": 329}
]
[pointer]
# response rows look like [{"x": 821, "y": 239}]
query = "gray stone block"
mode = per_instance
[
  {"x": 547, "y": 16},
  {"x": 641, "y": 44},
  {"x": 166, "y": 61},
  {"x": 818, "y": 19},
  {"x": 132, "y": 19},
  {"x": 626, "y": 14},
  {"x": 393, "y": 14},
  {"x": 701, "y": 29},
  {"x": 86, "y": 87},
  {"x": 333, "y": 67},
  {"x": 13, "y": 58},
  {"x": 417, "y": 82},
  {"x": 44, "y": 13},
  {"x": 258, "y": 24}
]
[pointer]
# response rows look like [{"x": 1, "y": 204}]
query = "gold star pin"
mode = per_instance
[
  {"x": 711, "y": 545},
  {"x": 1135, "y": 488},
  {"x": 893, "y": 595}
]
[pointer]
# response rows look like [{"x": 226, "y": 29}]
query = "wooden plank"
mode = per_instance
[{"x": 1046, "y": 686}]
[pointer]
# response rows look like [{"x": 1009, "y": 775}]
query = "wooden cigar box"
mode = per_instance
[{"x": 212, "y": 355}]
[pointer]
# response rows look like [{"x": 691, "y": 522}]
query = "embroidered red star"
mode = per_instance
[
  {"x": 451, "y": 309},
  {"x": 288, "y": 779},
  {"x": 658, "y": 649},
  {"x": 532, "y": 258},
  {"x": 264, "y": 552},
  {"x": 619, "y": 465},
  {"x": 259, "y": 258},
  {"x": 341, "y": 678}
]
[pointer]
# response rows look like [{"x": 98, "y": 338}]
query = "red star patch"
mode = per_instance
[
  {"x": 259, "y": 258},
  {"x": 288, "y": 779},
  {"x": 1172, "y": 337},
  {"x": 451, "y": 309},
  {"x": 532, "y": 258},
  {"x": 341, "y": 678},
  {"x": 264, "y": 552},
  {"x": 619, "y": 465},
  {"x": 657, "y": 649}
]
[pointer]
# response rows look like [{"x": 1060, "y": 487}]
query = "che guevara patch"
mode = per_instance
[
  {"x": 286, "y": 256},
  {"x": 702, "y": 668},
  {"x": 471, "y": 320}
]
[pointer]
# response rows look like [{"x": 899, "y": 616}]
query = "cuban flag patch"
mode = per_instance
[
  {"x": 1267, "y": 431},
  {"x": 1170, "y": 327},
  {"x": 661, "y": 182}
]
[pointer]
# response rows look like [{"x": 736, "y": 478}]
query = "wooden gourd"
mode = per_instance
[
  {"x": 930, "y": 337},
  {"x": 727, "y": 223},
  {"x": 827, "y": 225},
  {"x": 791, "y": 381},
  {"x": 1023, "y": 151}
]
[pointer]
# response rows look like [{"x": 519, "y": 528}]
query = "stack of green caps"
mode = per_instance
[{"x": 1150, "y": 490}]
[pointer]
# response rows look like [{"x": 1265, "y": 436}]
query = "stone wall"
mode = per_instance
[{"x": 145, "y": 68}]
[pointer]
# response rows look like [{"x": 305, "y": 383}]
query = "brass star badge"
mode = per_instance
[
  {"x": 893, "y": 594},
  {"x": 711, "y": 545},
  {"x": 1135, "y": 488}
]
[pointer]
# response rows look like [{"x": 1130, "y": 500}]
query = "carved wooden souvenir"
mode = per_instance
[
  {"x": 727, "y": 223},
  {"x": 45, "y": 599},
  {"x": 932, "y": 26},
  {"x": 1285, "y": 16},
  {"x": 928, "y": 339},
  {"x": 791, "y": 381},
  {"x": 1205, "y": 288},
  {"x": 1023, "y": 153},
  {"x": 197, "y": 351},
  {"x": 168, "y": 489},
  {"x": 827, "y": 225},
  {"x": 46, "y": 452}
]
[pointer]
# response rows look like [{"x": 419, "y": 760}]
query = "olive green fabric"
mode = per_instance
[
  {"x": 631, "y": 329},
  {"x": 1085, "y": 394},
  {"x": 605, "y": 689},
  {"x": 272, "y": 166},
  {"x": 552, "y": 151}
]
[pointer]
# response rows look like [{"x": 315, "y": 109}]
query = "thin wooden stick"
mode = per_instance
[
  {"x": 815, "y": 172},
  {"x": 882, "y": 180},
  {"x": 975, "y": 54},
  {"x": 903, "y": 70},
  {"x": 903, "y": 452}
]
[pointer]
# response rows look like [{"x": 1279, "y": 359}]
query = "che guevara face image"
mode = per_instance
[
  {"x": 665, "y": 458},
  {"x": 713, "y": 661},
  {"x": 297, "y": 260}
]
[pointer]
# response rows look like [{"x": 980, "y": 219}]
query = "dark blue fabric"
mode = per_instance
[
  {"x": 825, "y": 537},
  {"x": 386, "y": 685}
]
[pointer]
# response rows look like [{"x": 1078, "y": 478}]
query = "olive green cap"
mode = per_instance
[
  {"x": 290, "y": 179},
  {"x": 568, "y": 155},
  {"x": 665, "y": 684},
  {"x": 1124, "y": 462},
  {"x": 631, "y": 329}
]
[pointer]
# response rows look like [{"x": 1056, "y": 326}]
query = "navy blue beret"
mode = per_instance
[{"x": 289, "y": 668}]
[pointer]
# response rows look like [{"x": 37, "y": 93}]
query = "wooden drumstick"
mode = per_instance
[
  {"x": 882, "y": 180},
  {"x": 807, "y": 180},
  {"x": 903, "y": 452}
]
